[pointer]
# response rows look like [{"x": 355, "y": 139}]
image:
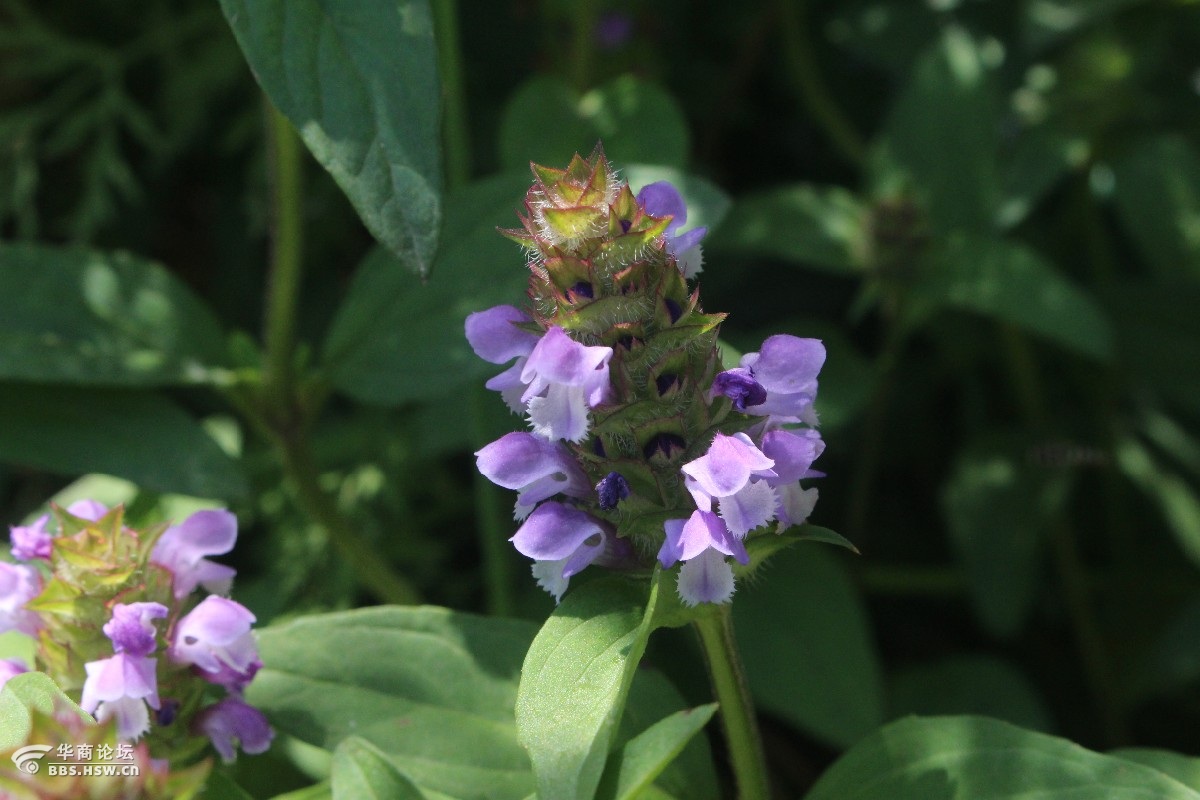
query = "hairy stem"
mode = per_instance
[{"x": 737, "y": 708}]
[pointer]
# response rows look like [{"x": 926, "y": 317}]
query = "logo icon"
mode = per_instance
[{"x": 27, "y": 757}]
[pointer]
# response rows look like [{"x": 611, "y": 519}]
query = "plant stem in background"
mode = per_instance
[
  {"x": 456, "y": 137},
  {"x": 737, "y": 707},
  {"x": 495, "y": 523},
  {"x": 797, "y": 48},
  {"x": 583, "y": 43},
  {"x": 280, "y": 409}
]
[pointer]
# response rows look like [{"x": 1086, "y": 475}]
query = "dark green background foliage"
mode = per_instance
[{"x": 990, "y": 213}]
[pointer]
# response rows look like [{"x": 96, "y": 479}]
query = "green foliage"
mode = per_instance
[{"x": 22, "y": 697}]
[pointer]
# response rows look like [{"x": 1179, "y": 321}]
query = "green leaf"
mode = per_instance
[
  {"x": 1158, "y": 200},
  {"x": 395, "y": 339},
  {"x": 967, "y": 758},
  {"x": 821, "y": 227},
  {"x": 432, "y": 689},
  {"x": 981, "y": 684},
  {"x": 219, "y": 786},
  {"x": 24, "y": 694},
  {"x": 997, "y": 506},
  {"x": 646, "y": 755},
  {"x": 824, "y": 675},
  {"x": 359, "y": 81},
  {"x": 1185, "y": 769},
  {"x": 72, "y": 315},
  {"x": 1177, "y": 501},
  {"x": 575, "y": 681},
  {"x": 362, "y": 772},
  {"x": 139, "y": 436},
  {"x": 942, "y": 133},
  {"x": 815, "y": 533},
  {"x": 1014, "y": 284},
  {"x": 1039, "y": 159},
  {"x": 547, "y": 122}
]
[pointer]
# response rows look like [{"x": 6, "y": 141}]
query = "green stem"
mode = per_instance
[
  {"x": 737, "y": 708},
  {"x": 583, "y": 48},
  {"x": 455, "y": 131},
  {"x": 797, "y": 48},
  {"x": 372, "y": 570},
  {"x": 287, "y": 237}
]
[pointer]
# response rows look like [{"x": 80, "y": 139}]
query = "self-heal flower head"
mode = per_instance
[
  {"x": 537, "y": 468},
  {"x": 121, "y": 687},
  {"x": 702, "y": 541},
  {"x": 182, "y": 550},
  {"x": 232, "y": 720},
  {"x": 563, "y": 540},
  {"x": 661, "y": 199},
  {"x": 494, "y": 336},
  {"x": 732, "y": 474},
  {"x": 31, "y": 541},
  {"x": 565, "y": 379},
  {"x": 215, "y": 637},
  {"x": 131, "y": 628},
  {"x": 786, "y": 367},
  {"x": 19, "y": 584}
]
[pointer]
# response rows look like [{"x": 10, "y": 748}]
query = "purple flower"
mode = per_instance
[
  {"x": 494, "y": 336},
  {"x": 731, "y": 473},
  {"x": 786, "y": 367},
  {"x": 90, "y": 510},
  {"x": 612, "y": 489},
  {"x": 215, "y": 636},
  {"x": 740, "y": 387},
  {"x": 232, "y": 720},
  {"x": 121, "y": 687},
  {"x": 10, "y": 668},
  {"x": 702, "y": 541},
  {"x": 661, "y": 199},
  {"x": 131, "y": 629},
  {"x": 19, "y": 584},
  {"x": 793, "y": 453},
  {"x": 563, "y": 540},
  {"x": 564, "y": 379},
  {"x": 182, "y": 548},
  {"x": 31, "y": 541},
  {"x": 535, "y": 467}
]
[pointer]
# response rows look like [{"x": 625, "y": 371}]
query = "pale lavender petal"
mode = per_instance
[
  {"x": 19, "y": 583},
  {"x": 10, "y": 668},
  {"x": 558, "y": 358},
  {"x": 549, "y": 576},
  {"x": 748, "y": 508},
  {"x": 555, "y": 532},
  {"x": 707, "y": 578},
  {"x": 795, "y": 504},
  {"x": 495, "y": 337},
  {"x": 561, "y": 413},
  {"x": 687, "y": 539},
  {"x": 688, "y": 240},
  {"x": 31, "y": 541},
  {"x": 122, "y": 675},
  {"x": 536, "y": 467},
  {"x": 510, "y": 386},
  {"x": 728, "y": 465},
  {"x": 661, "y": 199},
  {"x": 793, "y": 453},
  {"x": 133, "y": 719},
  {"x": 182, "y": 548},
  {"x": 787, "y": 364},
  {"x": 232, "y": 720},
  {"x": 87, "y": 509},
  {"x": 131, "y": 629},
  {"x": 215, "y": 636}
]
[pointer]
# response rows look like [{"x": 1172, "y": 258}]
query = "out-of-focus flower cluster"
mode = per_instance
[
  {"x": 135, "y": 625},
  {"x": 640, "y": 445}
]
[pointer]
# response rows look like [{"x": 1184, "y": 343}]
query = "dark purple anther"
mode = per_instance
[
  {"x": 738, "y": 386},
  {"x": 583, "y": 289},
  {"x": 626, "y": 224},
  {"x": 612, "y": 488},
  {"x": 166, "y": 714}
]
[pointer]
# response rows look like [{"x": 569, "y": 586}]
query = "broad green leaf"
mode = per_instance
[
  {"x": 140, "y": 436},
  {"x": 575, "y": 681},
  {"x": 942, "y": 134},
  {"x": 970, "y": 758},
  {"x": 547, "y": 122},
  {"x": 823, "y": 673},
  {"x": 358, "y": 79},
  {"x": 78, "y": 316},
  {"x": 1013, "y": 284},
  {"x": 219, "y": 786},
  {"x": 432, "y": 689},
  {"x": 997, "y": 505},
  {"x": 21, "y": 696},
  {"x": 396, "y": 339},
  {"x": 646, "y": 755},
  {"x": 1038, "y": 159},
  {"x": 318, "y": 791},
  {"x": 1185, "y": 769},
  {"x": 1158, "y": 200},
  {"x": 822, "y": 227},
  {"x": 362, "y": 772},
  {"x": 982, "y": 685},
  {"x": 1176, "y": 499}
]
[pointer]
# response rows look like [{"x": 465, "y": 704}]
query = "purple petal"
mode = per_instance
[
  {"x": 19, "y": 584},
  {"x": 31, "y": 541},
  {"x": 745, "y": 510},
  {"x": 558, "y": 358},
  {"x": 707, "y": 578},
  {"x": 495, "y": 337},
  {"x": 10, "y": 668},
  {"x": 555, "y": 531},
  {"x": 131, "y": 715},
  {"x": 740, "y": 387},
  {"x": 793, "y": 453},
  {"x": 661, "y": 199},
  {"x": 787, "y": 364},
  {"x": 728, "y": 465},
  {"x": 687, "y": 240},
  {"x": 131, "y": 629},
  {"x": 87, "y": 509},
  {"x": 216, "y": 637},
  {"x": 233, "y": 720},
  {"x": 561, "y": 413},
  {"x": 687, "y": 539},
  {"x": 510, "y": 386},
  {"x": 122, "y": 675},
  {"x": 532, "y": 465},
  {"x": 182, "y": 548},
  {"x": 795, "y": 504}
]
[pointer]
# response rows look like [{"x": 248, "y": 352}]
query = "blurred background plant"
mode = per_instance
[{"x": 990, "y": 213}]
